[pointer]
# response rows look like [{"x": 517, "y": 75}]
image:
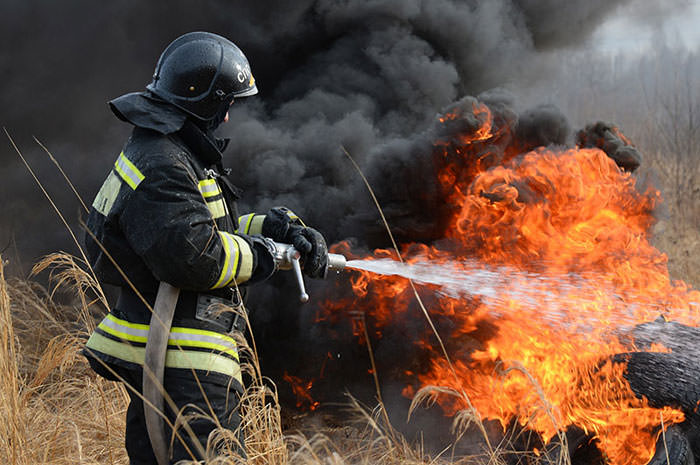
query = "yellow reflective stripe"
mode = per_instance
[
  {"x": 294, "y": 217},
  {"x": 202, "y": 332},
  {"x": 122, "y": 334},
  {"x": 191, "y": 337},
  {"x": 250, "y": 224},
  {"x": 204, "y": 345},
  {"x": 246, "y": 259},
  {"x": 230, "y": 260},
  {"x": 209, "y": 188},
  {"x": 217, "y": 208},
  {"x": 194, "y": 342},
  {"x": 128, "y": 171},
  {"x": 128, "y": 324},
  {"x": 174, "y": 358},
  {"x": 244, "y": 223},
  {"x": 203, "y": 361},
  {"x": 121, "y": 350},
  {"x": 108, "y": 194},
  {"x": 256, "y": 225}
]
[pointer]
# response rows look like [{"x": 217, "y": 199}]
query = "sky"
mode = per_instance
[{"x": 623, "y": 32}]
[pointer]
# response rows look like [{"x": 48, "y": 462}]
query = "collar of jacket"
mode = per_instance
[
  {"x": 145, "y": 110},
  {"x": 203, "y": 144}
]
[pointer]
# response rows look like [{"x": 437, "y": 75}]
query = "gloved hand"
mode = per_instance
[
  {"x": 313, "y": 249},
  {"x": 265, "y": 265},
  {"x": 277, "y": 222},
  {"x": 282, "y": 225}
]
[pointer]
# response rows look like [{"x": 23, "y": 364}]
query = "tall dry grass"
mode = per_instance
[{"x": 55, "y": 410}]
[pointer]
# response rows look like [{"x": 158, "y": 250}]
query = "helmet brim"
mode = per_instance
[{"x": 248, "y": 92}]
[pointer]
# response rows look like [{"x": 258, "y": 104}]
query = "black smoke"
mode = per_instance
[{"x": 368, "y": 76}]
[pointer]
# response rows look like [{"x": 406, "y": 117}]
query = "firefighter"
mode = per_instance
[{"x": 167, "y": 213}]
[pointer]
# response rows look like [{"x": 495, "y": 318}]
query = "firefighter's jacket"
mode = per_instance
[{"x": 166, "y": 213}]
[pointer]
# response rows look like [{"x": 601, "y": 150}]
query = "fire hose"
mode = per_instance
[{"x": 286, "y": 258}]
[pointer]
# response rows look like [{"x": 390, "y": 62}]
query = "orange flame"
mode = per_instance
[
  {"x": 574, "y": 221},
  {"x": 301, "y": 390}
]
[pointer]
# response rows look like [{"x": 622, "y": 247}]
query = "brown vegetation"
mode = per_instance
[{"x": 57, "y": 411}]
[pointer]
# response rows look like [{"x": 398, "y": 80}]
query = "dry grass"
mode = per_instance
[{"x": 56, "y": 411}]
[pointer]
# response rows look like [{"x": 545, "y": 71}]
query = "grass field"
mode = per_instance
[{"x": 57, "y": 411}]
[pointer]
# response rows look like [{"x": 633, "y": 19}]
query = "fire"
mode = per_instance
[
  {"x": 570, "y": 231},
  {"x": 302, "y": 390},
  {"x": 482, "y": 113}
]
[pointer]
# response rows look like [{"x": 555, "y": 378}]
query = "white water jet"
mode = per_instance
[{"x": 571, "y": 300}]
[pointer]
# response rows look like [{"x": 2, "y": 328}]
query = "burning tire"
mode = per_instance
[
  {"x": 673, "y": 448},
  {"x": 666, "y": 379},
  {"x": 669, "y": 379}
]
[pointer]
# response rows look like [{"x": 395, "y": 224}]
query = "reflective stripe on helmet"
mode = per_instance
[
  {"x": 238, "y": 260},
  {"x": 128, "y": 171},
  {"x": 209, "y": 188},
  {"x": 186, "y": 337},
  {"x": 174, "y": 358},
  {"x": 250, "y": 224}
]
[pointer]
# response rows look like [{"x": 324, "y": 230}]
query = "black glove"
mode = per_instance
[
  {"x": 264, "y": 256},
  {"x": 282, "y": 225},
  {"x": 277, "y": 223},
  {"x": 313, "y": 249}
]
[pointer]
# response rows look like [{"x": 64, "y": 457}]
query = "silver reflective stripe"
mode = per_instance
[
  {"x": 230, "y": 260},
  {"x": 176, "y": 337},
  {"x": 175, "y": 358},
  {"x": 130, "y": 330},
  {"x": 209, "y": 188},
  {"x": 191, "y": 337},
  {"x": 128, "y": 171},
  {"x": 244, "y": 223}
]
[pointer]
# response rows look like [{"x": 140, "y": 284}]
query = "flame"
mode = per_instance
[
  {"x": 569, "y": 230},
  {"x": 301, "y": 390},
  {"x": 484, "y": 116}
]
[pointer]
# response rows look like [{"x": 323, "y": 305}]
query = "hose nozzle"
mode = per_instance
[
  {"x": 336, "y": 262},
  {"x": 287, "y": 258}
]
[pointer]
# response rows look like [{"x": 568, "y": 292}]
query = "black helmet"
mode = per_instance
[{"x": 201, "y": 73}]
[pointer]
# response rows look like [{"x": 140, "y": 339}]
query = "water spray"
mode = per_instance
[{"x": 552, "y": 295}]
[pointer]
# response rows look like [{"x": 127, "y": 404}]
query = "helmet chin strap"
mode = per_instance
[{"x": 220, "y": 116}]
